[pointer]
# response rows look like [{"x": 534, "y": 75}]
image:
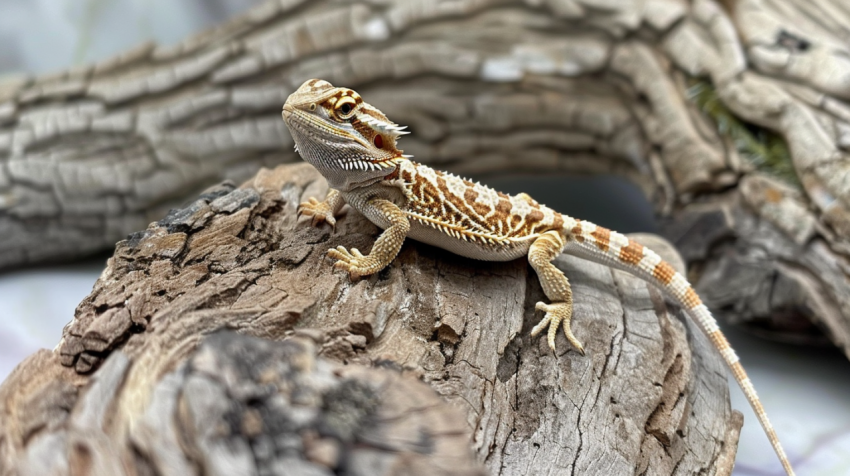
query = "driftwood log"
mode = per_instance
[
  {"x": 240, "y": 406},
  {"x": 577, "y": 86},
  {"x": 150, "y": 378}
]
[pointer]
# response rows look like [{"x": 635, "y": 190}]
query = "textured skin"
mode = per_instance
[{"x": 354, "y": 146}]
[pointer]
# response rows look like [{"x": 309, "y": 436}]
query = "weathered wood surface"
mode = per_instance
[
  {"x": 240, "y": 405},
  {"x": 650, "y": 396},
  {"x": 580, "y": 86}
]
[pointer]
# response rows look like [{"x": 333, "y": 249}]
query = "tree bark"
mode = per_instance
[
  {"x": 145, "y": 357},
  {"x": 578, "y": 86}
]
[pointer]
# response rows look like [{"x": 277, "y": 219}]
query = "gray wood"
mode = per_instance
[{"x": 144, "y": 374}]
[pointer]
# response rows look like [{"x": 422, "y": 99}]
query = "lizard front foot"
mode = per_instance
[
  {"x": 557, "y": 313},
  {"x": 320, "y": 211},
  {"x": 354, "y": 262}
]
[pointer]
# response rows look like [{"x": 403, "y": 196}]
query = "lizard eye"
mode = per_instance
[{"x": 344, "y": 108}]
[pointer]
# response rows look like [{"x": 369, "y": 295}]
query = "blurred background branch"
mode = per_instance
[{"x": 582, "y": 87}]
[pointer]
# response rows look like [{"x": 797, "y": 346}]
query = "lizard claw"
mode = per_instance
[
  {"x": 354, "y": 262},
  {"x": 557, "y": 313},
  {"x": 319, "y": 211}
]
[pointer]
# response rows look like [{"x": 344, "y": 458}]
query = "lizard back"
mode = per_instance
[{"x": 486, "y": 224}]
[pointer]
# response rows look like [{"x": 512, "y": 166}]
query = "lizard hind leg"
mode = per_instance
[{"x": 555, "y": 286}]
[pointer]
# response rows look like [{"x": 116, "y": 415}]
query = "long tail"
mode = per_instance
[{"x": 598, "y": 244}]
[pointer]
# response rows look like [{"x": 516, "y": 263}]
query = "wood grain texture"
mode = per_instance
[{"x": 650, "y": 396}]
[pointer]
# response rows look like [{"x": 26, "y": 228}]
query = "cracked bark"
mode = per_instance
[
  {"x": 573, "y": 86},
  {"x": 145, "y": 357}
]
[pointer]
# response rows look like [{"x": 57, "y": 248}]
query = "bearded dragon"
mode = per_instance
[{"x": 353, "y": 145}]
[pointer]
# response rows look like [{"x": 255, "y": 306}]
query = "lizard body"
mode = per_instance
[{"x": 353, "y": 145}]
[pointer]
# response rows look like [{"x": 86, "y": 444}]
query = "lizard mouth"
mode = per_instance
[
  {"x": 303, "y": 122},
  {"x": 288, "y": 111}
]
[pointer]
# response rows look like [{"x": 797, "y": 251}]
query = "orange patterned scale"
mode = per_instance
[
  {"x": 602, "y": 237},
  {"x": 633, "y": 253},
  {"x": 473, "y": 208},
  {"x": 664, "y": 272}
]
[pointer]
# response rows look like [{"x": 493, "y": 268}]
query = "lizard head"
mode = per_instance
[{"x": 349, "y": 141}]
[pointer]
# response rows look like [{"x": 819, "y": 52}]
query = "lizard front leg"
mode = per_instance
[
  {"x": 323, "y": 211},
  {"x": 556, "y": 287},
  {"x": 386, "y": 247}
]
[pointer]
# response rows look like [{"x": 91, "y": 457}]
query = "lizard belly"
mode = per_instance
[{"x": 468, "y": 249}]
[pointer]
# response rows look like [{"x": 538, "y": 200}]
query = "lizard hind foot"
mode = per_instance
[
  {"x": 557, "y": 314},
  {"x": 319, "y": 211}
]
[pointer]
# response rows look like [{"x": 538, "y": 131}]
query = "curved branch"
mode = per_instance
[{"x": 92, "y": 154}]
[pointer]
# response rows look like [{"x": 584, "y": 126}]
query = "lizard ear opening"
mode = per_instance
[{"x": 379, "y": 141}]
